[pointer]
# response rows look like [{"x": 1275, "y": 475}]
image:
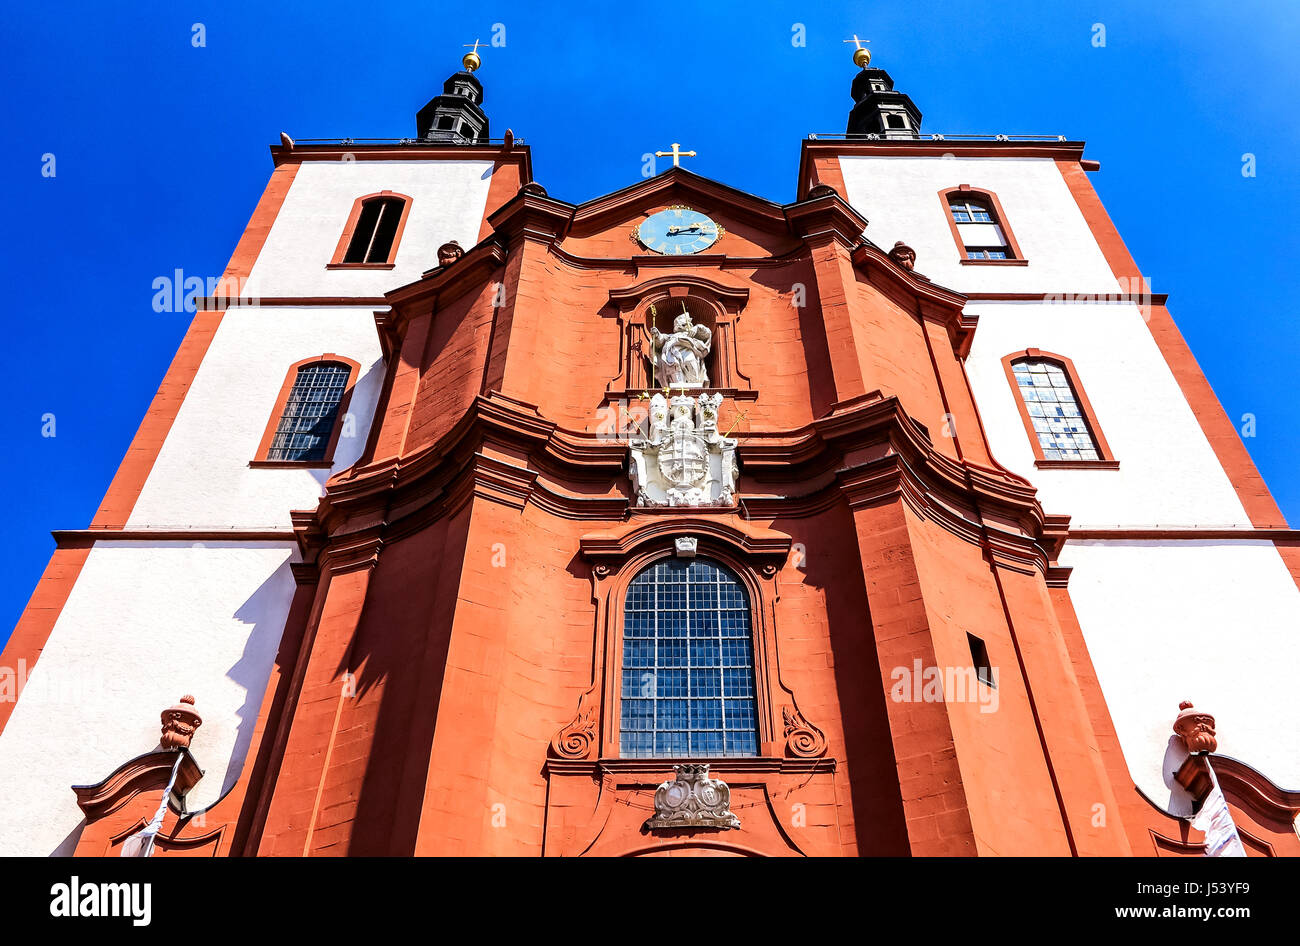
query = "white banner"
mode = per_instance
[{"x": 1214, "y": 818}]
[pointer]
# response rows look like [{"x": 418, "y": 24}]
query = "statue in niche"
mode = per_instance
[{"x": 678, "y": 358}]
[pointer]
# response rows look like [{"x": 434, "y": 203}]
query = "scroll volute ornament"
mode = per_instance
[
  {"x": 1195, "y": 729},
  {"x": 803, "y": 740},
  {"x": 179, "y": 723},
  {"x": 577, "y": 740}
]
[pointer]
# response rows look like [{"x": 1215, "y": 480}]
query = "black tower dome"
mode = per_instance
[
  {"x": 879, "y": 110},
  {"x": 455, "y": 116}
]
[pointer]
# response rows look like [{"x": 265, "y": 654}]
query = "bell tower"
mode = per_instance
[
  {"x": 456, "y": 116},
  {"x": 878, "y": 110}
]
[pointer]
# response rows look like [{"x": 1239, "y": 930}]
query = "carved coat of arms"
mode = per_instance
[
  {"x": 693, "y": 800},
  {"x": 684, "y": 461}
]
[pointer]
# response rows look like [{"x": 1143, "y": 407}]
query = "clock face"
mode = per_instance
[{"x": 677, "y": 231}]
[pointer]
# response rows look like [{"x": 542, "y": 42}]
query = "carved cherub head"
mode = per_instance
[
  {"x": 903, "y": 255},
  {"x": 1195, "y": 728},
  {"x": 449, "y": 252}
]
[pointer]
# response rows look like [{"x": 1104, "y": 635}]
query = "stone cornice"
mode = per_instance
[
  {"x": 149, "y": 772},
  {"x": 824, "y": 214},
  {"x": 865, "y": 451},
  {"x": 601, "y": 211}
]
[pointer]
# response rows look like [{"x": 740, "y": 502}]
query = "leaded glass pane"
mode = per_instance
[
  {"x": 308, "y": 419},
  {"x": 688, "y": 664},
  {"x": 1053, "y": 407}
]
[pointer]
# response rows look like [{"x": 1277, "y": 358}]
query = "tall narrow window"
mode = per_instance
[
  {"x": 979, "y": 227},
  {"x": 305, "y": 430},
  {"x": 688, "y": 664},
  {"x": 1055, "y": 411},
  {"x": 373, "y": 231}
]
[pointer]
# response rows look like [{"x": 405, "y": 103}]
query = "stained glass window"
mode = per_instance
[
  {"x": 688, "y": 664},
  {"x": 1063, "y": 432},
  {"x": 308, "y": 420}
]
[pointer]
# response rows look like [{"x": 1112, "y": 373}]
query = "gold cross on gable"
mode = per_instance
[
  {"x": 675, "y": 154},
  {"x": 861, "y": 55}
]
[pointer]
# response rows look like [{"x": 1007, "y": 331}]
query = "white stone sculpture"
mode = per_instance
[
  {"x": 684, "y": 461},
  {"x": 691, "y": 799},
  {"x": 678, "y": 358}
]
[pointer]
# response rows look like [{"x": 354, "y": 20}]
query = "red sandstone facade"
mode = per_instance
[
  {"x": 446, "y": 682},
  {"x": 444, "y": 685}
]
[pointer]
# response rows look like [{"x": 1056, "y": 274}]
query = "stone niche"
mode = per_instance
[{"x": 684, "y": 461}]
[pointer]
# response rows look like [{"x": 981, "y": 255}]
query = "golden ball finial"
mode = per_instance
[
  {"x": 861, "y": 57},
  {"x": 471, "y": 60}
]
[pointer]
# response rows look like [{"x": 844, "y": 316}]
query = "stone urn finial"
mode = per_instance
[
  {"x": 179, "y": 723},
  {"x": 1195, "y": 729}
]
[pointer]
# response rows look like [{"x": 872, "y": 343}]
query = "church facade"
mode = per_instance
[{"x": 896, "y": 520}]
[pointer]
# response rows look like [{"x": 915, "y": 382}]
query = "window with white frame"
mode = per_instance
[{"x": 978, "y": 227}]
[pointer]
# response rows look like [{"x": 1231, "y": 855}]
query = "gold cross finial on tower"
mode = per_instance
[
  {"x": 675, "y": 154},
  {"x": 861, "y": 55},
  {"x": 471, "y": 60}
]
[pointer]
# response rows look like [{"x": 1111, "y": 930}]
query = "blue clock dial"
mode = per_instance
[{"x": 677, "y": 231}]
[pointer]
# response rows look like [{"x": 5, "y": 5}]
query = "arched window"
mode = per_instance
[
  {"x": 1055, "y": 411},
  {"x": 304, "y": 426},
  {"x": 979, "y": 226},
  {"x": 373, "y": 231},
  {"x": 688, "y": 664}
]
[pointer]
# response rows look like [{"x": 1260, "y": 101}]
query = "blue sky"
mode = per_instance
[{"x": 161, "y": 155}]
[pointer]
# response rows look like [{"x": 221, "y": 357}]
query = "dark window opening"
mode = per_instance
[
  {"x": 895, "y": 121},
  {"x": 446, "y": 123},
  {"x": 979, "y": 655},
  {"x": 372, "y": 240}
]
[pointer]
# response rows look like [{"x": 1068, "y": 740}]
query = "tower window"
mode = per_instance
[
  {"x": 373, "y": 237},
  {"x": 308, "y": 417},
  {"x": 304, "y": 425},
  {"x": 687, "y": 687},
  {"x": 373, "y": 231},
  {"x": 447, "y": 122},
  {"x": 894, "y": 120},
  {"x": 979, "y": 227},
  {"x": 1056, "y": 413}
]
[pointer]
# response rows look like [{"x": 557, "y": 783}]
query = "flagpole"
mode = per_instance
[{"x": 141, "y": 843}]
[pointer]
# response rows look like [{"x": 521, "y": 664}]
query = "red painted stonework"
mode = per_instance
[
  {"x": 468, "y": 571},
  {"x": 448, "y": 680}
]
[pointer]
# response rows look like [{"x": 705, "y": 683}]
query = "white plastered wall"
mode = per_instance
[
  {"x": 1168, "y": 473},
  {"x": 145, "y": 624},
  {"x": 201, "y": 478},
  {"x": 899, "y": 196},
  {"x": 1216, "y": 623},
  {"x": 447, "y": 203}
]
